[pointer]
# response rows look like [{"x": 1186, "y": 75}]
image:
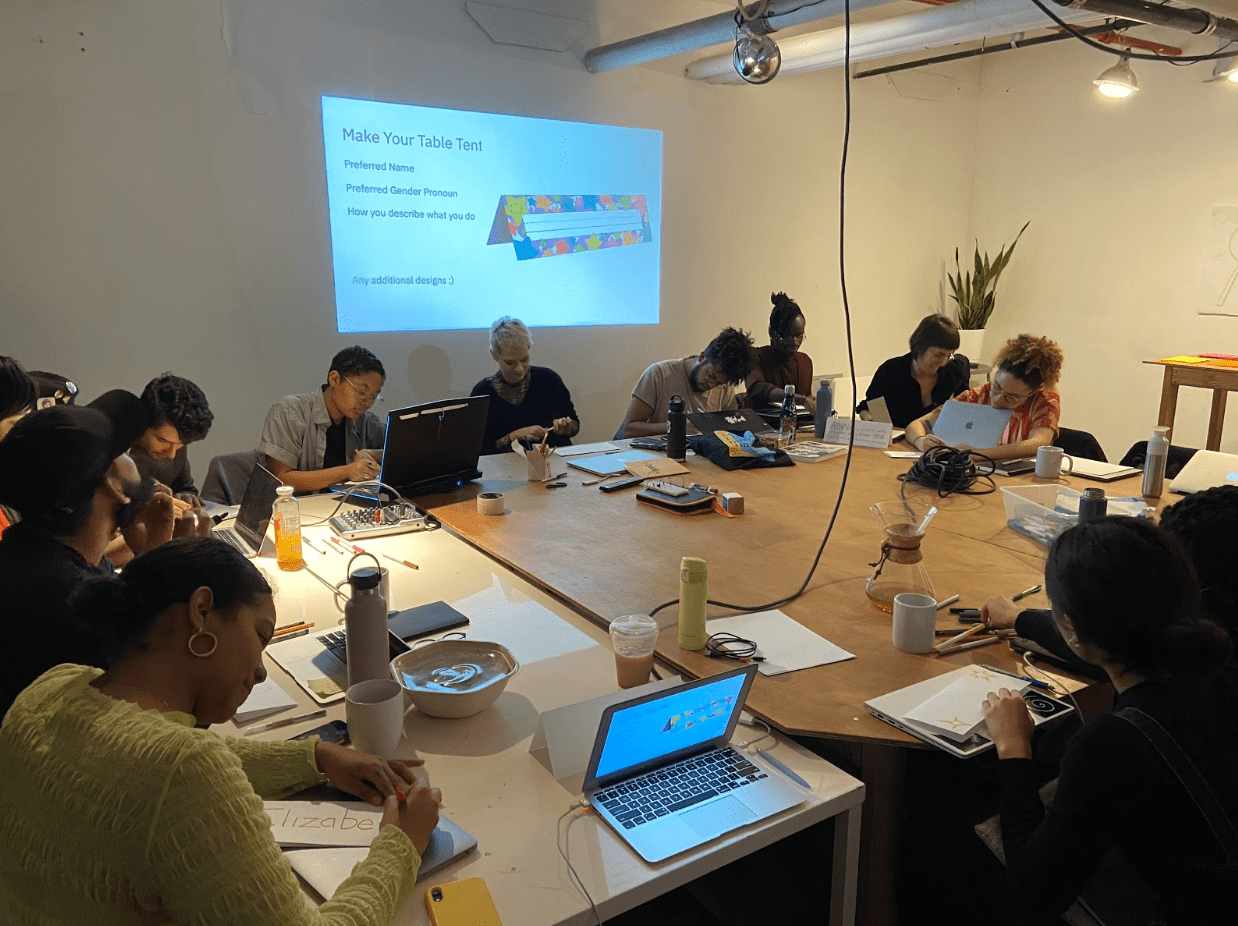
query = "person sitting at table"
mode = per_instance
[
  {"x": 1025, "y": 371},
  {"x": 317, "y": 439},
  {"x": 178, "y": 415},
  {"x": 65, "y": 470},
  {"x": 921, "y": 380},
  {"x": 781, "y": 362},
  {"x": 706, "y": 382},
  {"x": 1205, "y": 524},
  {"x": 17, "y": 397},
  {"x": 526, "y": 402},
  {"x": 1158, "y": 777},
  {"x": 118, "y": 809}
]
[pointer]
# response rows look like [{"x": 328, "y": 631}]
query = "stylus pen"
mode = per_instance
[
  {"x": 1025, "y": 678},
  {"x": 286, "y": 722},
  {"x": 782, "y": 768}
]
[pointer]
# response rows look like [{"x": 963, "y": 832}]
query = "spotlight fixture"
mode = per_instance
[
  {"x": 757, "y": 58},
  {"x": 1118, "y": 81},
  {"x": 1226, "y": 69}
]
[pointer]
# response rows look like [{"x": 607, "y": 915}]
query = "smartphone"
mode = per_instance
[
  {"x": 462, "y": 903},
  {"x": 334, "y": 732},
  {"x": 425, "y": 619}
]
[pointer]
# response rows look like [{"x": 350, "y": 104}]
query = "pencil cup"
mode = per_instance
[
  {"x": 1049, "y": 462},
  {"x": 375, "y": 711},
  {"x": 915, "y": 620},
  {"x": 539, "y": 466}
]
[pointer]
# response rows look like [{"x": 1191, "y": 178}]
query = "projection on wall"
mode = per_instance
[{"x": 447, "y": 219}]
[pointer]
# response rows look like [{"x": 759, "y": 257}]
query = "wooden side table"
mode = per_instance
[{"x": 1222, "y": 380}]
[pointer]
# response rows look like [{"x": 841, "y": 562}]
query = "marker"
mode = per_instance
[
  {"x": 288, "y": 628},
  {"x": 344, "y": 547},
  {"x": 1026, "y": 678},
  {"x": 969, "y": 632},
  {"x": 975, "y": 643},
  {"x": 782, "y": 768},
  {"x": 281, "y": 637},
  {"x": 396, "y": 559},
  {"x": 949, "y": 601},
  {"x": 1027, "y": 591},
  {"x": 286, "y": 722},
  {"x": 332, "y": 546},
  {"x": 310, "y": 544}
]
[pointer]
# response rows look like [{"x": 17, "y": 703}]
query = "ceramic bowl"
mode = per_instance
[{"x": 454, "y": 678}]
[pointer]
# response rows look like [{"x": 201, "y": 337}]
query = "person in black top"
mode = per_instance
[
  {"x": 526, "y": 402},
  {"x": 918, "y": 382},
  {"x": 178, "y": 414},
  {"x": 65, "y": 470},
  {"x": 1158, "y": 777}
]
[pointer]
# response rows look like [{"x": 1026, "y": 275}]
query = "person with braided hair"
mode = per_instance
[
  {"x": 781, "y": 362},
  {"x": 1025, "y": 373}
]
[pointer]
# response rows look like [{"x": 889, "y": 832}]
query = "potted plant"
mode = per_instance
[{"x": 975, "y": 292}]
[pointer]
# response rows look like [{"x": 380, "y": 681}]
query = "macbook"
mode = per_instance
[
  {"x": 968, "y": 423},
  {"x": 435, "y": 446},
  {"x": 736, "y": 421},
  {"x": 662, "y": 775},
  {"x": 1207, "y": 469},
  {"x": 254, "y": 514}
]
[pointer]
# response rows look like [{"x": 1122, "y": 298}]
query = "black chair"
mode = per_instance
[
  {"x": 1080, "y": 444},
  {"x": 1178, "y": 457},
  {"x": 227, "y": 477}
]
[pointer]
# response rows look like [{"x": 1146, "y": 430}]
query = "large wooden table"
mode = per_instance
[
  {"x": 1222, "y": 380},
  {"x": 607, "y": 555}
]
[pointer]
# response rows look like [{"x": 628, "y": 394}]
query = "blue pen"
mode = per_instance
[
  {"x": 782, "y": 768},
  {"x": 1031, "y": 681}
]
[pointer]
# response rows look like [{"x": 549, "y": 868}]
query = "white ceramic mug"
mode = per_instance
[
  {"x": 1049, "y": 462},
  {"x": 375, "y": 711},
  {"x": 915, "y": 620}
]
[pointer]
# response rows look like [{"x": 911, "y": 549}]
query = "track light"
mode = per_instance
[
  {"x": 757, "y": 58},
  {"x": 1226, "y": 69},
  {"x": 1118, "y": 81}
]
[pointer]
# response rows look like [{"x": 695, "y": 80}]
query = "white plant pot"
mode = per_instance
[{"x": 971, "y": 345}]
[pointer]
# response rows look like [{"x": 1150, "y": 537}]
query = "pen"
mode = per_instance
[
  {"x": 296, "y": 625},
  {"x": 281, "y": 637},
  {"x": 951, "y": 600},
  {"x": 1031, "y": 681},
  {"x": 969, "y": 632},
  {"x": 396, "y": 559},
  {"x": 286, "y": 722},
  {"x": 946, "y": 651},
  {"x": 1027, "y": 591},
  {"x": 782, "y": 768}
]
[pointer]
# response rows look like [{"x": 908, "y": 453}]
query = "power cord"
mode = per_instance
[
  {"x": 1177, "y": 59},
  {"x": 561, "y": 839},
  {"x": 842, "y": 283},
  {"x": 751, "y": 745},
  {"x": 950, "y": 472}
]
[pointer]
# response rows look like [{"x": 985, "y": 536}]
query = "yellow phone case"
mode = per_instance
[{"x": 461, "y": 903}]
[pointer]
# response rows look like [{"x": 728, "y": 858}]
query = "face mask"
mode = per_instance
[{"x": 140, "y": 492}]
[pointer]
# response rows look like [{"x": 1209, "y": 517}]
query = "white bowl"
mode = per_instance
[{"x": 454, "y": 678}]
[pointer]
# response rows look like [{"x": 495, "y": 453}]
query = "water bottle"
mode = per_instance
[
  {"x": 677, "y": 430},
  {"x": 786, "y": 418},
  {"x": 825, "y": 408},
  {"x": 1154, "y": 462},
  {"x": 365, "y": 626},
  {"x": 1092, "y": 505},
  {"x": 693, "y": 591},
  {"x": 286, "y": 514}
]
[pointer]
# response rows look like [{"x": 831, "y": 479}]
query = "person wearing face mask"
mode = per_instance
[
  {"x": 17, "y": 396},
  {"x": 920, "y": 381},
  {"x": 706, "y": 382},
  {"x": 117, "y": 808},
  {"x": 66, "y": 471},
  {"x": 1025, "y": 372},
  {"x": 781, "y": 362},
  {"x": 526, "y": 402}
]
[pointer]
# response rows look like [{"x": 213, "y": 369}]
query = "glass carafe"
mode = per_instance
[{"x": 900, "y": 567}]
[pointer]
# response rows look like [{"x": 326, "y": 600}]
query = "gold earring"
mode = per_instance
[{"x": 203, "y": 633}]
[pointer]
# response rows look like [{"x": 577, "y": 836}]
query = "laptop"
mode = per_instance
[
  {"x": 254, "y": 515},
  {"x": 319, "y": 662},
  {"x": 971, "y": 424},
  {"x": 662, "y": 775},
  {"x": 434, "y": 446},
  {"x": 736, "y": 421},
  {"x": 1207, "y": 469}
]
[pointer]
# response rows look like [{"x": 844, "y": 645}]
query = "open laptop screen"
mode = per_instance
[
  {"x": 255, "y": 511},
  {"x": 662, "y": 726}
]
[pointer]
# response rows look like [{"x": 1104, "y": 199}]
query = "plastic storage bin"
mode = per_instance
[{"x": 1041, "y": 512}]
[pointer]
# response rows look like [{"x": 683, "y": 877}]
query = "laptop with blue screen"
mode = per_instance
[{"x": 662, "y": 775}]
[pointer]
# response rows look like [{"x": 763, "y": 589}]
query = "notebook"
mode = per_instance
[
  {"x": 1101, "y": 472},
  {"x": 434, "y": 446},
  {"x": 318, "y": 662},
  {"x": 946, "y": 711},
  {"x": 663, "y": 777},
  {"x": 968, "y": 423},
  {"x": 1207, "y": 469},
  {"x": 254, "y": 515}
]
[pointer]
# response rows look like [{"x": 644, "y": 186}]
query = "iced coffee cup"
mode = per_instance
[{"x": 634, "y": 637}]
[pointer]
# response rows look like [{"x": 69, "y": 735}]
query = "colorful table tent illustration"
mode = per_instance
[{"x": 547, "y": 226}]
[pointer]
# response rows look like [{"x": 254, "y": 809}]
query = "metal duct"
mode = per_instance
[{"x": 1197, "y": 22}]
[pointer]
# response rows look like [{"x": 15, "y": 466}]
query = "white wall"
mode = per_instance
[
  {"x": 164, "y": 202},
  {"x": 1120, "y": 195}
]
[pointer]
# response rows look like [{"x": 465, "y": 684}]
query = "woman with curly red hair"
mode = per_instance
[{"x": 1025, "y": 372}]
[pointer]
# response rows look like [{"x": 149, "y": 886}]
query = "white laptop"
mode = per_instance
[
  {"x": 968, "y": 423},
  {"x": 663, "y": 776},
  {"x": 254, "y": 515},
  {"x": 1206, "y": 470}
]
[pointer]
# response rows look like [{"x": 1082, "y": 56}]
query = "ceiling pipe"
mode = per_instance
[
  {"x": 712, "y": 30},
  {"x": 1197, "y": 22},
  {"x": 935, "y": 27}
]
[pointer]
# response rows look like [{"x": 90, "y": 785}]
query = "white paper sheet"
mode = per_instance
[
  {"x": 786, "y": 644},
  {"x": 266, "y": 698}
]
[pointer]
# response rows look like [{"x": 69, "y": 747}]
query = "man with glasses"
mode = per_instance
[
  {"x": 782, "y": 363},
  {"x": 316, "y": 440},
  {"x": 705, "y": 381}
]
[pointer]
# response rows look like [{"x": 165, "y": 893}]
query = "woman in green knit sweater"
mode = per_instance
[{"x": 118, "y": 810}]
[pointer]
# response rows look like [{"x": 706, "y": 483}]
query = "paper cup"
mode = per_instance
[
  {"x": 375, "y": 711},
  {"x": 915, "y": 620}
]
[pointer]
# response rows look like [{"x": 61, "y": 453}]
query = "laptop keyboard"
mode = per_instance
[
  {"x": 231, "y": 537},
  {"x": 336, "y": 644},
  {"x": 656, "y": 794}
]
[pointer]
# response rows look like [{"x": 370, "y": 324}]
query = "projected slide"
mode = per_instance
[{"x": 448, "y": 219}]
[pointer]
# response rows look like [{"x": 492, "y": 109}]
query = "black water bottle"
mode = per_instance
[{"x": 677, "y": 432}]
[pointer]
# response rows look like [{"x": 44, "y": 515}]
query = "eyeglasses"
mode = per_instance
[
  {"x": 362, "y": 396},
  {"x": 997, "y": 390},
  {"x": 790, "y": 338}
]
